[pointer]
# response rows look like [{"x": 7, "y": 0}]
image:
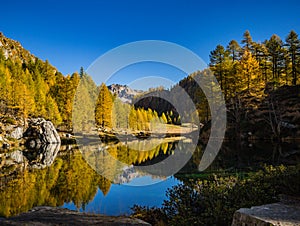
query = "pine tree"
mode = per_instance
[
  {"x": 274, "y": 46},
  {"x": 81, "y": 73},
  {"x": 234, "y": 49},
  {"x": 247, "y": 41},
  {"x": 293, "y": 45},
  {"x": 218, "y": 57}
]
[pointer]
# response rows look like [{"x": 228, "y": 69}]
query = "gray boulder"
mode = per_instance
[
  {"x": 17, "y": 133},
  {"x": 41, "y": 131},
  {"x": 283, "y": 213}
]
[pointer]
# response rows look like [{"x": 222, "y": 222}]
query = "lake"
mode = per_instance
[{"x": 109, "y": 178}]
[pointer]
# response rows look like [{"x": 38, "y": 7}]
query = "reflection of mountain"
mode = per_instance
[
  {"x": 128, "y": 173},
  {"x": 116, "y": 162}
]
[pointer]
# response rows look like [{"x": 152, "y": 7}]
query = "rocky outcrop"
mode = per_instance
[
  {"x": 124, "y": 92},
  {"x": 284, "y": 213},
  {"x": 46, "y": 216},
  {"x": 14, "y": 50},
  {"x": 41, "y": 131}
]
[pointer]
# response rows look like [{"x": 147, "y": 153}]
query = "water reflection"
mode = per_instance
[
  {"x": 28, "y": 182},
  {"x": 246, "y": 156},
  {"x": 41, "y": 157},
  {"x": 61, "y": 176},
  {"x": 122, "y": 163},
  {"x": 47, "y": 176}
]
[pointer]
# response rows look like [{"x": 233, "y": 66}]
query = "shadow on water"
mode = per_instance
[{"x": 247, "y": 156}]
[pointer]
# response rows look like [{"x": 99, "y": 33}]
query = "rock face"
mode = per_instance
[
  {"x": 45, "y": 216},
  {"x": 124, "y": 92},
  {"x": 284, "y": 213},
  {"x": 14, "y": 49},
  {"x": 41, "y": 131}
]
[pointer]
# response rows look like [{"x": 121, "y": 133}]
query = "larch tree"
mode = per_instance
[
  {"x": 103, "y": 110},
  {"x": 249, "y": 72},
  {"x": 83, "y": 107}
]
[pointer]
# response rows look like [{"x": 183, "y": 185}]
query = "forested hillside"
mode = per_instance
[
  {"x": 30, "y": 87},
  {"x": 247, "y": 73},
  {"x": 254, "y": 65},
  {"x": 259, "y": 81}
]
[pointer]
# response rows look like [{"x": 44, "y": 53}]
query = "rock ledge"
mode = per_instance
[
  {"x": 46, "y": 216},
  {"x": 283, "y": 213}
]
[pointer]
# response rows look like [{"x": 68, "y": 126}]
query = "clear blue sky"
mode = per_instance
[{"x": 71, "y": 34}]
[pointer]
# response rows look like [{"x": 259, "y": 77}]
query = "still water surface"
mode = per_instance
[
  {"x": 121, "y": 197},
  {"x": 72, "y": 178}
]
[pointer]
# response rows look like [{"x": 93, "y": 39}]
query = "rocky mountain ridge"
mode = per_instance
[
  {"x": 14, "y": 50},
  {"x": 124, "y": 92}
]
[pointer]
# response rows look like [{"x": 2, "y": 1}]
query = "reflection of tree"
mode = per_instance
[
  {"x": 115, "y": 161},
  {"x": 68, "y": 179},
  {"x": 78, "y": 183},
  {"x": 71, "y": 178},
  {"x": 243, "y": 156}
]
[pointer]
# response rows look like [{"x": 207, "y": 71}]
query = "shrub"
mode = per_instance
[
  {"x": 154, "y": 216},
  {"x": 214, "y": 201}
]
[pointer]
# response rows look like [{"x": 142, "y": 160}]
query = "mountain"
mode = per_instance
[
  {"x": 14, "y": 50},
  {"x": 124, "y": 92}
]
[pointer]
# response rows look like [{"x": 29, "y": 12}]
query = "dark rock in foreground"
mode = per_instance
[
  {"x": 284, "y": 213},
  {"x": 45, "y": 216}
]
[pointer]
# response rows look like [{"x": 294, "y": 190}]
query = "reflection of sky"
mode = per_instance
[
  {"x": 121, "y": 197},
  {"x": 145, "y": 180}
]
